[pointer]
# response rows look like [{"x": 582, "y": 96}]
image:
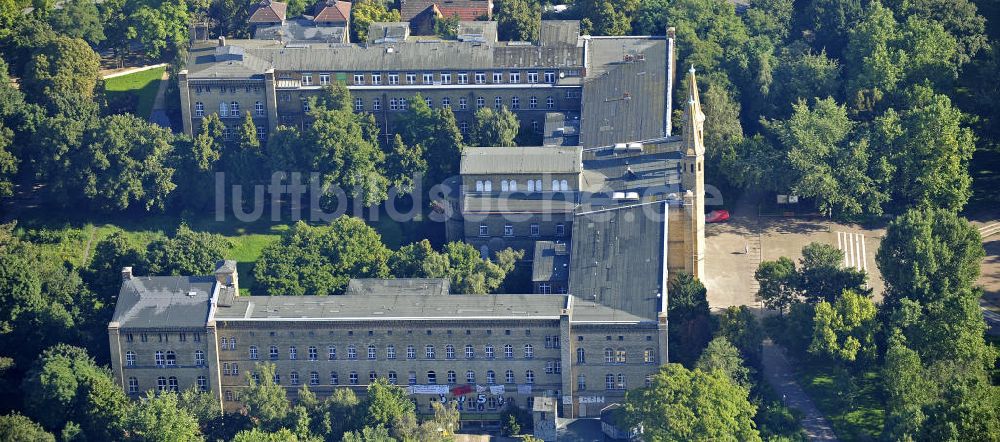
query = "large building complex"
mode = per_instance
[
  {"x": 608, "y": 221},
  {"x": 613, "y": 88}
]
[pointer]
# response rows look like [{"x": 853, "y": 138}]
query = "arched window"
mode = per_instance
[
  {"x": 129, "y": 358},
  {"x": 352, "y": 377},
  {"x": 470, "y": 377},
  {"x": 513, "y": 185},
  {"x": 504, "y": 186},
  {"x": 531, "y": 186},
  {"x": 371, "y": 351},
  {"x": 529, "y": 377},
  {"x": 392, "y": 378},
  {"x": 372, "y": 376},
  {"x": 538, "y": 185},
  {"x": 432, "y": 377},
  {"x": 253, "y": 352},
  {"x": 313, "y": 378},
  {"x": 529, "y": 351},
  {"x": 223, "y": 109},
  {"x": 390, "y": 352},
  {"x": 412, "y": 378},
  {"x": 172, "y": 384},
  {"x": 581, "y": 356},
  {"x": 199, "y": 358},
  {"x": 479, "y": 185},
  {"x": 352, "y": 352},
  {"x": 160, "y": 361},
  {"x": 452, "y": 378},
  {"x": 581, "y": 382},
  {"x": 491, "y": 377},
  {"x": 647, "y": 356},
  {"x": 555, "y": 185},
  {"x": 621, "y": 382},
  {"x": 234, "y": 108},
  {"x": 449, "y": 351},
  {"x": 609, "y": 356},
  {"x": 509, "y": 376},
  {"x": 161, "y": 384},
  {"x": 411, "y": 353},
  {"x": 429, "y": 351},
  {"x": 334, "y": 379},
  {"x": 508, "y": 351},
  {"x": 470, "y": 352},
  {"x": 331, "y": 352},
  {"x": 609, "y": 381},
  {"x": 274, "y": 352},
  {"x": 489, "y": 351},
  {"x": 563, "y": 185},
  {"x": 293, "y": 353},
  {"x": 488, "y": 186},
  {"x": 294, "y": 377},
  {"x": 133, "y": 385},
  {"x": 258, "y": 109},
  {"x": 620, "y": 356}
]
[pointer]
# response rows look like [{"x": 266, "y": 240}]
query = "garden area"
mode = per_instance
[{"x": 135, "y": 92}]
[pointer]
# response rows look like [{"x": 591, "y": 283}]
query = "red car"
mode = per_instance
[{"x": 717, "y": 216}]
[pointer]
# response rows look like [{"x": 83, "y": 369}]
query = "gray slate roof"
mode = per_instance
[
  {"x": 520, "y": 160},
  {"x": 550, "y": 262},
  {"x": 393, "y": 307},
  {"x": 301, "y": 30},
  {"x": 164, "y": 301},
  {"x": 618, "y": 259},
  {"x": 655, "y": 171},
  {"x": 624, "y": 101}
]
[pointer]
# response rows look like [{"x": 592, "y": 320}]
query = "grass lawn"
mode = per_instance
[
  {"x": 141, "y": 84},
  {"x": 854, "y": 407}
]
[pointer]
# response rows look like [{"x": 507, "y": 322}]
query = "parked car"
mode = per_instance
[{"x": 717, "y": 216}]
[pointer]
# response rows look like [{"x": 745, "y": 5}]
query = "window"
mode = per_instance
[
  {"x": 236, "y": 369},
  {"x": 258, "y": 109},
  {"x": 313, "y": 378},
  {"x": 133, "y": 385},
  {"x": 376, "y": 79},
  {"x": 371, "y": 351},
  {"x": 445, "y": 78},
  {"x": 452, "y": 379},
  {"x": 449, "y": 351},
  {"x": 508, "y": 230},
  {"x": 199, "y": 109},
  {"x": 172, "y": 384},
  {"x": 545, "y": 288},
  {"x": 307, "y": 79},
  {"x": 412, "y": 378},
  {"x": 324, "y": 79},
  {"x": 497, "y": 102},
  {"x": 532, "y": 77},
  {"x": 609, "y": 382},
  {"x": 402, "y": 104},
  {"x": 513, "y": 185},
  {"x": 393, "y": 104},
  {"x": 411, "y": 78},
  {"x": 515, "y": 77},
  {"x": 609, "y": 356},
  {"x": 529, "y": 377},
  {"x": 331, "y": 353},
  {"x": 334, "y": 379},
  {"x": 508, "y": 351},
  {"x": 479, "y": 185},
  {"x": 128, "y": 337},
  {"x": 352, "y": 352},
  {"x": 463, "y": 78},
  {"x": 550, "y": 77},
  {"x": 470, "y": 377},
  {"x": 160, "y": 361},
  {"x": 432, "y": 377},
  {"x": 359, "y": 105},
  {"x": 647, "y": 356},
  {"x": 372, "y": 376},
  {"x": 390, "y": 352},
  {"x": 392, "y": 378},
  {"x": 393, "y": 78},
  {"x": 480, "y": 102},
  {"x": 489, "y": 352},
  {"x": 529, "y": 351},
  {"x": 535, "y": 127},
  {"x": 359, "y": 78},
  {"x": 509, "y": 377},
  {"x": 491, "y": 377},
  {"x": 430, "y": 103},
  {"x": 428, "y": 78},
  {"x": 484, "y": 230},
  {"x": 621, "y": 382},
  {"x": 411, "y": 353},
  {"x": 487, "y": 186},
  {"x": 376, "y": 104},
  {"x": 498, "y": 77},
  {"x": 199, "y": 358},
  {"x": 202, "y": 383},
  {"x": 129, "y": 359},
  {"x": 293, "y": 353},
  {"x": 620, "y": 356},
  {"x": 560, "y": 229},
  {"x": 470, "y": 352},
  {"x": 353, "y": 378},
  {"x": 226, "y": 371},
  {"x": 223, "y": 109},
  {"x": 229, "y": 395},
  {"x": 197, "y": 337},
  {"x": 515, "y": 102},
  {"x": 429, "y": 352},
  {"x": 161, "y": 384},
  {"x": 143, "y": 337},
  {"x": 480, "y": 77},
  {"x": 534, "y": 230},
  {"x": 224, "y": 343},
  {"x": 463, "y": 103},
  {"x": 261, "y": 134},
  {"x": 305, "y": 106},
  {"x": 550, "y": 102},
  {"x": 563, "y": 185},
  {"x": 572, "y": 93},
  {"x": 274, "y": 352},
  {"x": 446, "y": 102}
]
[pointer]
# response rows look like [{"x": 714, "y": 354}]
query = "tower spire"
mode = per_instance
[{"x": 694, "y": 119}]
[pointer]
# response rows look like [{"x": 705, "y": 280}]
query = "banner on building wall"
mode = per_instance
[
  {"x": 591, "y": 399},
  {"x": 428, "y": 389},
  {"x": 496, "y": 389}
]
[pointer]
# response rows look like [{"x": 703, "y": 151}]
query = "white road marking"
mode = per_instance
[{"x": 854, "y": 248}]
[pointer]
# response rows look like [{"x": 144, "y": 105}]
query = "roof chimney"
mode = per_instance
[
  {"x": 126, "y": 273},
  {"x": 222, "y": 41}
]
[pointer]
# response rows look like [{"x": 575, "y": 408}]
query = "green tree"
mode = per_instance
[
  {"x": 495, "y": 128},
  {"x": 906, "y": 389},
  {"x": 682, "y": 404},
  {"x": 778, "y": 282},
  {"x": 369, "y": 434},
  {"x": 446, "y": 27},
  {"x": 845, "y": 330},
  {"x": 930, "y": 261},
  {"x": 403, "y": 164},
  {"x": 202, "y": 405},
  {"x": 723, "y": 356},
  {"x": 103, "y": 274},
  {"x": 606, "y": 17},
  {"x": 650, "y": 17},
  {"x": 66, "y": 385},
  {"x": 827, "y": 23},
  {"x": 62, "y": 72},
  {"x": 461, "y": 263},
  {"x": 258, "y": 435},
  {"x": 387, "y": 405},
  {"x": 823, "y": 277},
  {"x": 801, "y": 74},
  {"x": 265, "y": 401},
  {"x": 740, "y": 327},
  {"x": 17, "y": 428},
  {"x": 197, "y": 162},
  {"x": 186, "y": 253},
  {"x": 688, "y": 314},
  {"x": 78, "y": 19},
  {"x": 723, "y": 132},
  {"x": 366, "y": 12},
  {"x": 959, "y": 17},
  {"x": 160, "y": 418},
  {"x": 320, "y": 260},
  {"x": 518, "y": 20},
  {"x": 771, "y": 18},
  {"x": 161, "y": 28}
]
